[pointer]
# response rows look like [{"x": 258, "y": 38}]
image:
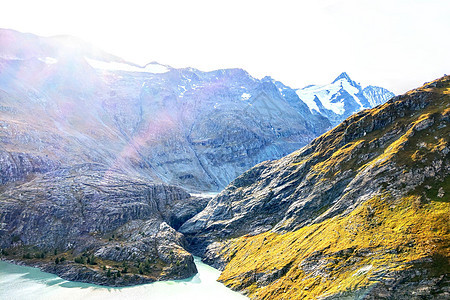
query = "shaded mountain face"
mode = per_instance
[
  {"x": 342, "y": 98},
  {"x": 63, "y": 102},
  {"x": 362, "y": 210}
]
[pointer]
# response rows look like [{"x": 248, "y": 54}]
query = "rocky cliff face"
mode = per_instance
[
  {"x": 98, "y": 219},
  {"x": 361, "y": 210}
]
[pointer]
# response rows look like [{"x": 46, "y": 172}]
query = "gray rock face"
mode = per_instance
[
  {"x": 90, "y": 209},
  {"x": 18, "y": 166}
]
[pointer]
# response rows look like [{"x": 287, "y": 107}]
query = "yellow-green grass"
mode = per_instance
[{"x": 394, "y": 233}]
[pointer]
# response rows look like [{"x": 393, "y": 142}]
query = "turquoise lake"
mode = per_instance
[{"x": 22, "y": 283}]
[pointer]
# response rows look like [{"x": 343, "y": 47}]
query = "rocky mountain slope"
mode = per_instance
[
  {"x": 92, "y": 224},
  {"x": 342, "y": 98},
  {"x": 361, "y": 212},
  {"x": 62, "y": 101}
]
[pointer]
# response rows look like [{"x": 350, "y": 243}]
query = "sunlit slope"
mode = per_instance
[
  {"x": 376, "y": 220},
  {"x": 384, "y": 243}
]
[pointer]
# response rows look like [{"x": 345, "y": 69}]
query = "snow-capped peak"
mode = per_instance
[
  {"x": 327, "y": 94},
  {"x": 342, "y": 97},
  {"x": 343, "y": 75}
]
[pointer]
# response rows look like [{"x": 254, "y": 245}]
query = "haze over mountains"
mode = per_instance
[{"x": 65, "y": 102}]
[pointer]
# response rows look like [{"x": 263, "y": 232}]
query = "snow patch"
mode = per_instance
[
  {"x": 115, "y": 66},
  {"x": 245, "y": 96},
  {"x": 324, "y": 94},
  {"x": 155, "y": 68},
  {"x": 10, "y": 57},
  {"x": 308, "y": 101},
  {"x": 363, "y": 270},
  {"x": 49, "y": 60},
  {"x": 377, "y": 95},
  {"x": 183, "y": 88}
]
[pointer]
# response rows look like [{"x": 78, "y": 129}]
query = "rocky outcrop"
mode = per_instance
[
  {"x": 368, "y": 197},
  {"x": 18, "y": 166},
  {"x": 417, "y": 282},
  {"x": 81, "y": 273},
  {"x": 98, "y": 219}
]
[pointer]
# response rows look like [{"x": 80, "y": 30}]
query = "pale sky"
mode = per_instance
[{"x": 397, "y": 44}]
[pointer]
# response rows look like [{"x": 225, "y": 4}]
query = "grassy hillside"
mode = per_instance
[{"x": 345, "y": 253}]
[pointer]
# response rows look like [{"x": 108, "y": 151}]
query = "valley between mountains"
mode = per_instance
[{"x": 116, "y": 174}]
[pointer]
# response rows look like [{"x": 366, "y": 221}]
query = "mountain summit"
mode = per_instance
[
  {"x": 344, "y": 76},
  {"x": 342, "y": 98}
]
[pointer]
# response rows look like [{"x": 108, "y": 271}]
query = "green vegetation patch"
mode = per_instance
[{"x": 343, "y": 253}]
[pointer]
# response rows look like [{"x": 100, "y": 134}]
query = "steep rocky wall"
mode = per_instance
[{"x": 90, "y": 211}]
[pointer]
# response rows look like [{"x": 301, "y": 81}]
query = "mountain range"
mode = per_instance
[
  {"x": 64, "y": 102},
  {"x": 326, "y": 192}
]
